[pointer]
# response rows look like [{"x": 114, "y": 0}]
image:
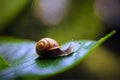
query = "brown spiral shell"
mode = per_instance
[{"x": 48, "y": 47}]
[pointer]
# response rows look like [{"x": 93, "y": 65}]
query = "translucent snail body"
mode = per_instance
[{"x": 48, "y": 47}]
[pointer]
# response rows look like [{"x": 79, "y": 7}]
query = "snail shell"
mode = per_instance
[{"x": 48, "y": 47}]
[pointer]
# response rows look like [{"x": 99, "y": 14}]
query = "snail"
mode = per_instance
[{"x": 47, "y": 47}]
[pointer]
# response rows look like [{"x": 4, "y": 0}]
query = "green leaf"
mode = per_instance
[
  {"x": 21, "y": 55},
  {"x": 3, "y": 63}
]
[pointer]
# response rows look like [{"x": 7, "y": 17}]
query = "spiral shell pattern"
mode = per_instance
[
  {"x": 46, "y": 44},
  {"x": 48, "y": 48}
]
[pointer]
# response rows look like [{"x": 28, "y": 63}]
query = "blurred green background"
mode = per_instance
[{"x": 65, "y": 20}]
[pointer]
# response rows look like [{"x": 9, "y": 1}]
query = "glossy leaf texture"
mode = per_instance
[{"x": 24, "y": 62}]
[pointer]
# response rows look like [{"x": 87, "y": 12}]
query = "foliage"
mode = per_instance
[{"x": 24, "y": 61}]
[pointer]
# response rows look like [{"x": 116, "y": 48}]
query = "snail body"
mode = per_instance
[{"x": 48, "y": 47}]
